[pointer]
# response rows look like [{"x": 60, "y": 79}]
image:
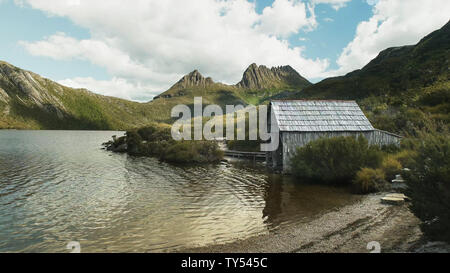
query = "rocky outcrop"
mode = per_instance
[
  {"x": 4, "y": 97},
  {"x": 117, "y": 145},
  {"x": 261, "y": 77},
  {"x": 29, "y": 87},
  {"x": 194, "y": 79},
  {"x": 254, "y": 78},
  {"x": 21, "y": 80}
]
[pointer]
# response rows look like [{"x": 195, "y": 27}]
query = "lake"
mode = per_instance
[{"x": 60, "y": 186}]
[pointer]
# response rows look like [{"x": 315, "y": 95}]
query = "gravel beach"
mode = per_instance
[{"x": 344, "y": 230}]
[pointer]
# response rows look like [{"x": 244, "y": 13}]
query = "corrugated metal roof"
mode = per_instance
[{"x": 320, "y": 115}]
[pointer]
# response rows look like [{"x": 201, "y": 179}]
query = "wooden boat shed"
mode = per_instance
[{"x": 301, "y": 121}]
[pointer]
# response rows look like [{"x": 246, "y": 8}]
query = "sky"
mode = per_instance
[{"x": 138, "y": 49}]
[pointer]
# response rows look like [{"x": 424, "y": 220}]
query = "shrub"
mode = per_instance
[
  {"x": 391, "y": 167},
  {"x": 180, "y": 152},
  {"x": 155, "y": 132},
  {"x": 384, "y": 122},
  {"x": 247, "y": 144},
  {"x": 156, "y": 148},
  {"x": 134, "y": 141},
  {"x": 209, "y": 151},
  {"x": 192, "y": 152},
  {"x": 429, "y": 186},
  {"x": 437, "y": 97},
  {"x": 369, "y": 180},
  {"x": 155, "y": 140},
  {"x": 409, "y": 119},
  {"x": 406, "y": 158},
  {"x": 410, "y": 143},
  {"x": 335, "y": 160},
  {"x": 391, "y": 148},
  {"x": 244, "y": 145}
]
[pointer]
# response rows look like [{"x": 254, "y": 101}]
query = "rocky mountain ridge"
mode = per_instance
[
  {"x": 260, "y": 77},
  {"x": 255, "y": 78}
]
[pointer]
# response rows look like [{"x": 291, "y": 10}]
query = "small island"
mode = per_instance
[{"x": 156, "y": 141}]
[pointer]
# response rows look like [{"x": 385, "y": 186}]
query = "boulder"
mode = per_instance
[{"x": 121, "y": 148}]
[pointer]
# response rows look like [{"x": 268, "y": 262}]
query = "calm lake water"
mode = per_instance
[{"x": 59, "y": 186}]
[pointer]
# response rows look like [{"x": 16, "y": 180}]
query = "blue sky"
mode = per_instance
[
  {"x": 142, "y": 53},
  {"x": 27, "y": 24},
  {"x": 331, "y": 36}
]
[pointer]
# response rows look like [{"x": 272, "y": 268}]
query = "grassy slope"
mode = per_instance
[{"x": 82, "y": 110}]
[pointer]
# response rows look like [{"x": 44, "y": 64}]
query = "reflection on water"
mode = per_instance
[{"x": 59, "y": 186}]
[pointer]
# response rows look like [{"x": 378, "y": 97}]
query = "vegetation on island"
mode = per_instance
[{"x": 156, "y": 140}]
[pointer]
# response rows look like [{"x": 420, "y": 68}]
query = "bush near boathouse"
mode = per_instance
[
  {"x": 335, "y": 160},
  {"x": 429, "y": 185}
]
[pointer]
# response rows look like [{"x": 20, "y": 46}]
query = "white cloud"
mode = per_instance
[
  {"x": 372, "y": 2},
  {"x": 116, "y": 87},
  {"x": 62, "y": 47},
  {"x": 152, "y": 44},
  {"x": 286, "y": 17},
  {"x": 146, "y": 46},
  {"x": 336, "y": 4},
  {"x": 394, "y": 23},
  {"x": 116, "y": 62}
]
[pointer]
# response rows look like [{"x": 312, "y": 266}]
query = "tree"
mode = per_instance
[{"x": 429, "y": 186}]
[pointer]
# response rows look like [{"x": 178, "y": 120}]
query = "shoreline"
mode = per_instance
[{"x": 345, "y": 230}]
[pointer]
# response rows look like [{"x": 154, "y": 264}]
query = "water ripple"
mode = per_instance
[{"x": 59, "y": 186}]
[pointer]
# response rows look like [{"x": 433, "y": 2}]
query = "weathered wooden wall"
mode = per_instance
[
  {"x": 292, "y": 140},
  {"x": 381, "y": 138}
]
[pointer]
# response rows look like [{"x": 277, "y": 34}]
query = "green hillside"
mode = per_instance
[
  {"x": 28, "y": 101},
  {"x": 400, "y": 88}
]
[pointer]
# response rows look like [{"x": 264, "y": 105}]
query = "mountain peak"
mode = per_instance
[
  {"x": 261, "y": 77},
  {"x": 195, "y": 72},
  {"x": 194, "y": 79}
]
